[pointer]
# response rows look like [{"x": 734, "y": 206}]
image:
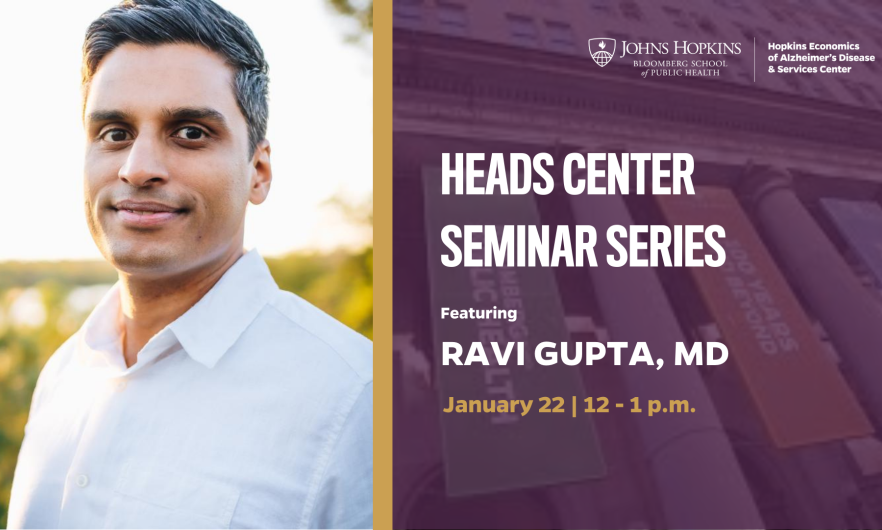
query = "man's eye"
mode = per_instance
[
  {"x": 190, "y": 133},
  {"x": 115, "y": 135}
]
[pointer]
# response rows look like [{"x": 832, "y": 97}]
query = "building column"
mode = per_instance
[
  {"x": 698, "y": 477},
  {"x": 811, "y": 262}
]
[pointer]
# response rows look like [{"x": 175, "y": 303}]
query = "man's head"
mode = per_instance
[{"x": 175, "y": 110}]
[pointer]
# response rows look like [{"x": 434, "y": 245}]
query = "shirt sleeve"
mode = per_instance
[{"x": 345, "y": 498}]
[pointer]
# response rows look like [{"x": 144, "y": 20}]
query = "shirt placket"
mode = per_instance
[
  {"x": 104, "y": 441},
  {"x": 90, "y": 478},
  {"x": 85, "y": 485}
]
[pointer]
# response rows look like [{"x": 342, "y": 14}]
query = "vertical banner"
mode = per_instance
[
  {"x": 801, "y": 395},
  {"x": 860, "y": 223},
  {"x": 498, "y": 451}
]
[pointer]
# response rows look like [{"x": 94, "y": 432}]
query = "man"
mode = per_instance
[{"x": 197, "y": 394}]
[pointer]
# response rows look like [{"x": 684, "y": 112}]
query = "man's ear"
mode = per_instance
[{"x": 261, "y": 174}]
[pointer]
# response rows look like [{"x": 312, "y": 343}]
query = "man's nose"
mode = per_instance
[{"x": 145, "y": 165}]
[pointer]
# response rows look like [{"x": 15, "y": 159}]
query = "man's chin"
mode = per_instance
[{"x": 144, "y": 260}]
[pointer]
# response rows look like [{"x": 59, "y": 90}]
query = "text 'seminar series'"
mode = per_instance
[{"x": 530, "y": 245}]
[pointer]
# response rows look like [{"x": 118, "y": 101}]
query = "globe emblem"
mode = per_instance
[
  {"x": 602, "y": 57},
  {"x": 602, "y": 50}
]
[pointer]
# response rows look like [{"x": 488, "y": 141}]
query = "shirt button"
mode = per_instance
[
  {"x": 120, "y": 386},
  {"x": 82, "y": 481}
]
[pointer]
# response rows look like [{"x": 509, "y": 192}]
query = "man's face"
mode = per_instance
[{"x": 168, "y": 171}]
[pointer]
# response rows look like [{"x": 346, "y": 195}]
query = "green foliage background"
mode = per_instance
[{"x": 340, "y": 283}]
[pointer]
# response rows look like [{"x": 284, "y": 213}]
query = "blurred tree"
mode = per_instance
[{"x": 362, "y": 12}]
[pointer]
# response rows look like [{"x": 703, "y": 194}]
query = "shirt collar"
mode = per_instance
[
  {"x": 211, "y": 327},
  {"x": 101, "y": 334},
  {"x": 206, "y": 331}
]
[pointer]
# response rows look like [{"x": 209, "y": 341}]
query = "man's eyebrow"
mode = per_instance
[
  {"x": 195, "y": 113},
  {"x": 108, "y": 115},
  {"x": 171, "y": 114}
]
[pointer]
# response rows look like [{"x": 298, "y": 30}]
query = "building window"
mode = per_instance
[
  {"x": 748, "y": 32},
  {"x": 738, "y": 70},
  {"x": 523, "y": 30},
  {"x": 777, "y": 15},
  {"x": 601, "y": 7},
  {"x": 631, "y": 10},
  {"x": 875, "y": 13},
  {"x": 452, "y": 18},
  {"x": 871, "y": 93},
  {"x": 408, "y": 13},
  {"x": 616, "y": 36},
  {"x": 678, "y": 17},
  {"x": 794, "y": 83},
  {"x": 817, "y": 86},
  {"x": 856, "y": 93},
  {"x": 755, "y": 33},
  {"x": 734, "y": 5},
  {"x": 561, "y": 37},
  {"x": 842, "y": 7},
  {"x": 766, "y": 35},
  {"x": 799, "y": 20},
  {"x": 833, "y": 29},
  {"x": 847, "y": 32},
  {"x": 705, "y": 24},
  {"x": 787, "y": 17},
  {"x": 874, "y": 37},
  {"x": 825, "y": 24}
]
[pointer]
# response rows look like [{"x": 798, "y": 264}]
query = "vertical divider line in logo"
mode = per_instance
[{"x": 754, "y": 59}]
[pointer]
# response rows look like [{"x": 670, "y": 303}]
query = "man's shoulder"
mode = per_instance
[
  {"x": 307, "y": 330},
  {"x": 55, "y": 367},
  {"x": 64, "y": 356}
]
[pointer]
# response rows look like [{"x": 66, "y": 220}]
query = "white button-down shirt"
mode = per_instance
[{"x": 253, "y": 409}]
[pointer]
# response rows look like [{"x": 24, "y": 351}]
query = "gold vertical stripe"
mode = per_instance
[{"x": 383, "y": 264}]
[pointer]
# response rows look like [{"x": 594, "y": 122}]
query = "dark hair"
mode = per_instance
[{"x": 200, "y": 22}]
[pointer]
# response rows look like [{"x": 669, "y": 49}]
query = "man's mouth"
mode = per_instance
[{"x": 142, "y": 214}]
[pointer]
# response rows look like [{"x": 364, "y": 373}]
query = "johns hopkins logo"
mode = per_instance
[{"x": 602, "y": 50}]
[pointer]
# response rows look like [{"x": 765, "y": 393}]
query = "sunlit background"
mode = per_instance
[{"x": 315, "y": 228}]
